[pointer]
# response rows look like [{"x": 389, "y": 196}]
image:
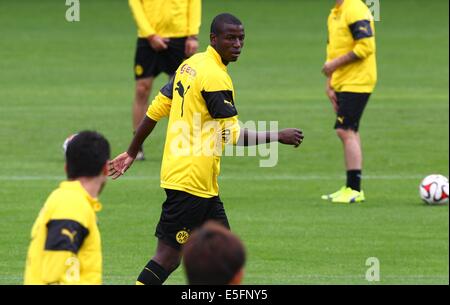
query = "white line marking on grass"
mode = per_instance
[{"x": 230, "y": 177}]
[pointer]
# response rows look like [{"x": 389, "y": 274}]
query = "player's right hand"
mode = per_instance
[
  {"x": 158, "y": 43},
  {"x": 119, "y": 165}
]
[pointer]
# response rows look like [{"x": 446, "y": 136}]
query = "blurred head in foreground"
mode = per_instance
[{"x": 214, "y": 256}]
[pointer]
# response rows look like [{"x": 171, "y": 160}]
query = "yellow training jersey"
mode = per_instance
[
  {"x": 202, "y": 118},
  {"x": 167, "y": 18},
  {"x": 65, "y": 243},
  {"x": 351, "y": 28}
]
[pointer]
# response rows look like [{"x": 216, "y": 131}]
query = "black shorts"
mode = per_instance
[
  {"x": 149, "y": 63},
  {"x": 183, "y": 212},
  {"x": 351, "y": 108}
]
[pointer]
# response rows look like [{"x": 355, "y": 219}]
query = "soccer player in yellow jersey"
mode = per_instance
[
  {"x": 351, "y": 77},
  {"x": 65, "y": 243},
  {"x": 167, "y": 34},
  {"x": 200, "y": 104}
]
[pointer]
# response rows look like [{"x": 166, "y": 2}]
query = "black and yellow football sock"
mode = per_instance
[
  {"x": 354, "y": 179},
  {"x": 152, "y": 274}
]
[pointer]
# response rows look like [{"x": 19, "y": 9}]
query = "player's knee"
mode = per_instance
[
  {"x": 174, "y": 265},
  {"x": 143, "y": 90},
  {"x": 345, "y": 134},
  {"x": 169, "y": 263}
]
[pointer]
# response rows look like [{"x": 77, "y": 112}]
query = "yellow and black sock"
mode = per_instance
[{"x": 152, "y": 274}]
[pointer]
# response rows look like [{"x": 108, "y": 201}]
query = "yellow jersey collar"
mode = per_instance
[
  {"x": 76, "y": 186},
  {"x": 213, "y": 53}
]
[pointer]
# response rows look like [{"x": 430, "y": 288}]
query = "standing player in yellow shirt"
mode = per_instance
[
  {"x": 65, "y": 243},
  {"x": 351, "y": 77},
  {"x": 200, "y": 104},
  {"x": 167, "y": 34}
]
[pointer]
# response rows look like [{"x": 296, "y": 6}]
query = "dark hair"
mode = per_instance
[
  {"x": 86, "y": 155},
  {"x": 212, "y": 255},
  {"x": 220, "y": 20}
]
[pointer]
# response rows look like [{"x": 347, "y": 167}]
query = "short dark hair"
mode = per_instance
[
  {"x": 220, "y": 20},
  {"x": 212, "y": 255},
  {"x": 86, "y": 155}
]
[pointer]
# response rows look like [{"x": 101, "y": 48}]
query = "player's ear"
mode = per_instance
[
  {"x": 213, "y": 39},
  {"x": 105, "y": 169},
  {"x": 65, "y": 168},
  {"x": 237, "y": 279}
]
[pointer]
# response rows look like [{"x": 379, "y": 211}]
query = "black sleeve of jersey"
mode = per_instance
[
  {"x": 167, "y": 90},
  {"x": 361, "y": 29},
  {"x": 220, "y": 104},
  {"x": 65, "y": 235}
]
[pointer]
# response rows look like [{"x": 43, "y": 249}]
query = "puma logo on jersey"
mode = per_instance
[
  {"x": 228, "y": 102},
  {"x": 364, "y": 29},
  {"x": 69, "y": 234}
]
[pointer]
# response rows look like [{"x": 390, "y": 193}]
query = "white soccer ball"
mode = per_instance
[
  {"x": 434, "y": 189},
  {"x": 67, "y": 140}
]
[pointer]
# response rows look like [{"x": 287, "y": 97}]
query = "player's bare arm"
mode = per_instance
[
  {"x": 288, "y": 136},
  {"x": 122, "y": 162},
  {"x": 336, "y": 63}
]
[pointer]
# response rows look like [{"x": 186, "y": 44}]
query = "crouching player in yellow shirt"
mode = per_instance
[
  {"x": 65, "y": 243},
  {"x": 200, "y": 104},
  {"x": 351, "y": 77}
]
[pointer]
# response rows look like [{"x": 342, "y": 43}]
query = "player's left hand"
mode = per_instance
[
  {"x": 329, "y": 68},
  {"x": 191, "y": 46},
  {"x": 291, "y": 136}
]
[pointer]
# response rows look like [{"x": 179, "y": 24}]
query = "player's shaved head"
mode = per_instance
[
  {"x": 227, "y": 37},
  {"x": 219, "y": 21}
]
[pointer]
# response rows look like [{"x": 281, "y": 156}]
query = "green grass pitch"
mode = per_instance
[{"x": 58, "y": 77}]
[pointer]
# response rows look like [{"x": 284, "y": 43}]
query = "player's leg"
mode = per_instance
[
  {"x": 217, "y": 212},
  {"x": 351, "y": 108},
  {"x": 181, "y": 213},
  {"x": 140, "y": 105},
  {"x": 166, "y": 260},
  {"x": 168, "y": 251},
  {"x": 145, "y": 70},
  {"x": 353, "y": 157}
]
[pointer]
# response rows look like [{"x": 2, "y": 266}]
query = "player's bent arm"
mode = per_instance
[
  {"x": 159, "y": 108},
  {"x": 289, "y": 136},
  {"x": 120, "y": 164},
  {"x": 341, "y": 61},
  {"x": 363, "y": 34},
  {"x": 60, "y": 263},
  {"x": 143, "y": 131},
  {"x": 162, "y": 103},
  {"x": 141, "y": 20},
  {"x": 364, "y": 47}
]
